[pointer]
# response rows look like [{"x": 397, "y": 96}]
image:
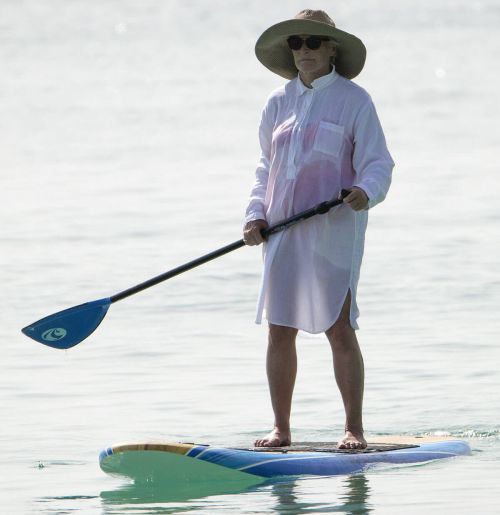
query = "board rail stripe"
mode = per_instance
[
  {"x": 277, "y": 460},
  {"x": 197, "y": 451}
]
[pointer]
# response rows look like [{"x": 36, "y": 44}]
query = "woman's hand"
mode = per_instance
[
  {"x": 251, "y": 232},
  {"x": 357, "y": 199}
]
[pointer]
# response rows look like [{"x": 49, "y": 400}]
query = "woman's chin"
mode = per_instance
[{"x": 307, "y": 66}]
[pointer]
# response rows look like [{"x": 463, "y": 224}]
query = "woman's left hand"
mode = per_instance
[{"x": 357, "y": 199}]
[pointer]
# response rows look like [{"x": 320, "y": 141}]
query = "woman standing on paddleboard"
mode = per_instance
[{"x": 319, "y": 134}]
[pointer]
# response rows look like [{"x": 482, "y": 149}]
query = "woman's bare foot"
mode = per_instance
[
  {"x": 275, "y": 438},
  {"x": 352, "y": 440}
]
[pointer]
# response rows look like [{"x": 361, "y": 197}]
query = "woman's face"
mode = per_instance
[{"x": 314, "y": 63}]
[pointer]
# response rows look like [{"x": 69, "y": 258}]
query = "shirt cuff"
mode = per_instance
[{"x": 255, "y": 215}]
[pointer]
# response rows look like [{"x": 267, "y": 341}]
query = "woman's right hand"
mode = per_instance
[{"x": 251, "y": 232}]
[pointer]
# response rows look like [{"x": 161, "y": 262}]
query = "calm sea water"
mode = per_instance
[{"x": 128, "y": 145}]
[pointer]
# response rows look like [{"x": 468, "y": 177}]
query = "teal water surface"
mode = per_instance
[{"x": 129, "y": 141}]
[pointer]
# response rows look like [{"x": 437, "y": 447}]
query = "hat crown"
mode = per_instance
[{"x": 311, "y": 14}]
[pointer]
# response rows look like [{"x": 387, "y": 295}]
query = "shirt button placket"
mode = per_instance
[{"x": 296, "y": 137}]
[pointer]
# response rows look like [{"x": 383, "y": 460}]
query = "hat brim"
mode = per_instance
[{"x": 272, "y": 49}]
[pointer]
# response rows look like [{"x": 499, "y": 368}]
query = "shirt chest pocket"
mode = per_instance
[{"x": 329, "y": 139}]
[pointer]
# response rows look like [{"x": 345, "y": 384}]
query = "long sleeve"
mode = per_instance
[
  {"x": 256, "y": 205},
  {"x": 371, "y": 159}
]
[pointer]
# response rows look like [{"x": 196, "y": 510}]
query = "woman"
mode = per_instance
[{"x": 319, "y": 134}]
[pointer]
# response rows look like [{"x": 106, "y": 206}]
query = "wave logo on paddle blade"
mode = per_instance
[{"x": 55, "y": 334}]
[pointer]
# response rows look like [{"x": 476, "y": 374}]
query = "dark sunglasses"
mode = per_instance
[{"x": 312, "y": 42}]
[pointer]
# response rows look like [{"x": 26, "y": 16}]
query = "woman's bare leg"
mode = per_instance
[
  {"x": 281, "y": 368},
  {"x": 349, "y": 374}
]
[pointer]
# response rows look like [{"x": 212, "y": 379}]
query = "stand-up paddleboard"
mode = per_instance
[{"x": 187, "y": 462}]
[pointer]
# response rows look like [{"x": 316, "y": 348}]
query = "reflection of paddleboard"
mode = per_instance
[{"x": 181, "y": 462}]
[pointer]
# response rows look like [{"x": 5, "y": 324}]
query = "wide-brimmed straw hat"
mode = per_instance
[{"x": 273, "y": 52}]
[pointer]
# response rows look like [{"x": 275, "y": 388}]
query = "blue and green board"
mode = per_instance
[{"x": 183, "y": 462}]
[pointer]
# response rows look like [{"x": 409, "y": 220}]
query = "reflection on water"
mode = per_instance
[
  {"x": 163, "y": 494},
  {"x": 348, "y": 495},
  {"x": 356, "y": 494},
  {"x": 351, "y": 497}
]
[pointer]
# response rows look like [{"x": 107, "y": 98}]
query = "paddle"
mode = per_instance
[{"x": 69, "y": 327}]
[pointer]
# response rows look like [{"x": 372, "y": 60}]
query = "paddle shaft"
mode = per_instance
[{"x": 321, "y": 208}]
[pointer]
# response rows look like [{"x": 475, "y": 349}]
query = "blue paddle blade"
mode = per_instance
[{"x": 67, "y": 328}]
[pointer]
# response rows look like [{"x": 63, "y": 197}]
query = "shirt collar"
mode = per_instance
[{"x": 319, "y": 83}]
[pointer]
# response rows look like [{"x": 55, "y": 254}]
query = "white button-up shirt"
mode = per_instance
[{"x": 316, "y": 141}]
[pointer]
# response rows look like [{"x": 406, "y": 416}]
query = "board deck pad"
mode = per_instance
[
  {"x": 332, "y": 447},
  {"x": 165, "y": 462}
]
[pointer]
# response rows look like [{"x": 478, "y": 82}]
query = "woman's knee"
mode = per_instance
[
  {"x": 281, "y": 335},
  {"x": 341, "y": 333},
  {"x": 340, "y": 329}
]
